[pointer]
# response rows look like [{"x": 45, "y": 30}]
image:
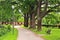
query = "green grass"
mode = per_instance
[
  {"x": 55, "y": 33},
  {"x": 9, "y": 36}
]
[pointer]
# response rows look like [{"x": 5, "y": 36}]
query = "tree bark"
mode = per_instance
[
  {"x": 32, "y": 20},
  {"x": 38, "y": 14},
  {"x": 39, "y": 24},
  {"x": 26, "y": 20}
]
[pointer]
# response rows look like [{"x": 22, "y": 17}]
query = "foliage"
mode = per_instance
[
  {"x": 51, "y": 18},
  {"x": 9, "y": 36},
  {"x": 7, "y": 13},
  {"x": 4, "y": 29}
]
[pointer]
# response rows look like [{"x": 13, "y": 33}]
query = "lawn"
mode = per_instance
[
  {"x": 55, "y": 33},
  {"x": 9, "y": 36}
]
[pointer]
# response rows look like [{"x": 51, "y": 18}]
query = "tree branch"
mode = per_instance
[{"x": 50, "y": 10}]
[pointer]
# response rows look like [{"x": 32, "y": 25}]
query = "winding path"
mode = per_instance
[{"x": 24, "y": 34}]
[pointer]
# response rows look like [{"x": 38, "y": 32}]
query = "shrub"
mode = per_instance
[{"x": 4, "y": 29}]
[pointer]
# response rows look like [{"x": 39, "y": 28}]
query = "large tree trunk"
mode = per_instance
[
  {"x": 26, "y": 20},
  {"x": 39, "y": 14},
  {"x": 32, "y": 20},
  {"x": 39, "y": 24}
]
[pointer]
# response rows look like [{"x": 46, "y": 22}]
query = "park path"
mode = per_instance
[{"x": 24, "y": 34}]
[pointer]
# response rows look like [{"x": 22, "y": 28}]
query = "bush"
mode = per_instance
[{"x": 4, "y": 29}]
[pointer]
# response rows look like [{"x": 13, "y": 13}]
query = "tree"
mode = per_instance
[
  {"x": 43, "y": 8},
  {"x": 36, "y": 8}
]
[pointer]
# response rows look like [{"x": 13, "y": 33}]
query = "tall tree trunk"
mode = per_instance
[
  {"x": 32, "y": 20},
  {"x": 39, "y": 24},
  {"x": 39, "y": 14},
  {"x": 26, "y": 20}
]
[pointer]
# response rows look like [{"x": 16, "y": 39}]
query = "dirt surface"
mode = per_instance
[{"x": 24, "y": 34}]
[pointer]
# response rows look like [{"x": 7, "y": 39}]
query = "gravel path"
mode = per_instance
[{"x": 24, "y": 34}]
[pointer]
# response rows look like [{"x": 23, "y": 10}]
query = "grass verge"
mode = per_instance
[
  {"x": 55, "y": 33},
  {"x": 9, "y": 36}
]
